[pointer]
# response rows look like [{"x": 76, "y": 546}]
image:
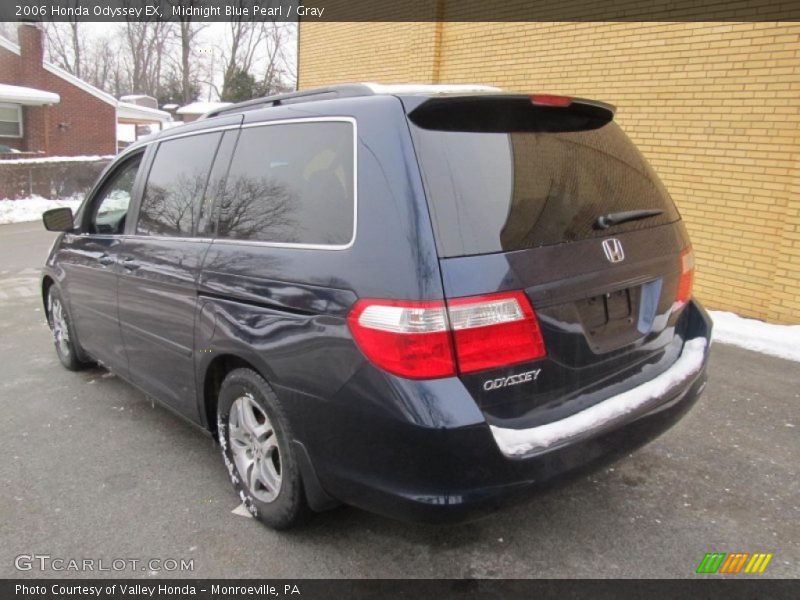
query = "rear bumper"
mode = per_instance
[
  {"x": 526, "y": 443},
  {"x": 455, "y": 473}
]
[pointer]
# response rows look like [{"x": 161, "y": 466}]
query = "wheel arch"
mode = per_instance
[{"x": 215, "y": 373}]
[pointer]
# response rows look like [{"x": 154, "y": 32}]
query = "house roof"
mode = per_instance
[
  {"x": 9, "y": 45},
  {"x": 201, "y": 108},
  {"x": 127, "y": 110},
  {"x": 59, "y": 72},
  {"x": 27, "y": 96},
  {"x": 134, "y": 97}
]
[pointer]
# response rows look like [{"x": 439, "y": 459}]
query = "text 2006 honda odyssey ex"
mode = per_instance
[{"x": 419, "y": 301}]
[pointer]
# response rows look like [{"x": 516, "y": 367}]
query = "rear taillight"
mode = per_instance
[
  {"x": 417, "y": 339},
  {"x": 686, "y": 278},
  {"x": 494, "y": 331},
  {"x": 409, "y": 339}
]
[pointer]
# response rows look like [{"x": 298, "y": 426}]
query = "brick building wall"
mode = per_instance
[
  {"x": 80, "y": 124},
  {"x": 714, "y": 106}
]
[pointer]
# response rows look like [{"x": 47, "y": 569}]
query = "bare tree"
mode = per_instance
[
  {"x": 145, "y": 45},
  {"x": 245, "y": 39},
  {"x": 258, "y": 49},
  {"x": 64, "y": 46},
  {"x": 188, "y": 31},
  {"x": 277, "y": 75},
  {"x": 103, "y": 67}
]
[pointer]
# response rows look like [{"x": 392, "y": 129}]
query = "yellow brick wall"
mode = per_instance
[
  {"x": 714, "y": 106},
  {"x": 352, "y": 52}
]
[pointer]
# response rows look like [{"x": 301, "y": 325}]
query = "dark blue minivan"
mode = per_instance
[{"x": 420, "y": 300}]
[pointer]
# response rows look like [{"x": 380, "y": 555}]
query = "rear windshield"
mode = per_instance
[{"x": 499, "y": 192}]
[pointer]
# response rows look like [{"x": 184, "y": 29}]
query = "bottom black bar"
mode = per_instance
[{"x": 351, "y": 589}]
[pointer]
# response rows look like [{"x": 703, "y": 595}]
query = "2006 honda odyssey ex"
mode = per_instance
[{"x": 421, "y": 301}]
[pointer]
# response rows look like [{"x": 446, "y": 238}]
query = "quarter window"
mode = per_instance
[
  {"x": 291, "y": 183},
  {"x": 173, "y": 195}
]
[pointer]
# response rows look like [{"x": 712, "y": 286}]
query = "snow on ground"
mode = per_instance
[
  {"x": 776, "y": 340},
  {"x": 31, "y": 209}
]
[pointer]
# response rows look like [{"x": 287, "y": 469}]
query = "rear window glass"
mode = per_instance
[
  {"x": 291, "y": 184},
  {"x": 499, "y": 192}
]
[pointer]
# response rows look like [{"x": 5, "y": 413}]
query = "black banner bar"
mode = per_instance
[
  {"x": 349, "y": 589},
  {"x": 406, "y": 10}
]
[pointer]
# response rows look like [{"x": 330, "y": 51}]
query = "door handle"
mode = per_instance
[
  {"x": 106, "y": 260},
  {"x": 130, "y": 263}
]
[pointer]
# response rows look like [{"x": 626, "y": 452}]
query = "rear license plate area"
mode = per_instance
[{"x": 609, "y": 320}]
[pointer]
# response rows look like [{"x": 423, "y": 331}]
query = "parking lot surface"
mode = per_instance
[{"x": 92, "y": 469}]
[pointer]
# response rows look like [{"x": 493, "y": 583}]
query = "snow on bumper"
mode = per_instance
[{"x": 518, "y": 443}]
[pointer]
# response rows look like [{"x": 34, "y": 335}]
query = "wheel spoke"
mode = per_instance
[
  {"x": 253, "y": 477},
  {"x": 267, "y": 474},
  {"x": 242, "y": 461},
  {"x": 258, "y": 430},
  {"x": 238, "y": 437},
  {"x": 270, "y": 445}
]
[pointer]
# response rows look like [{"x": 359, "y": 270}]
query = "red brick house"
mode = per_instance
[{"x": 46, "y": 110}]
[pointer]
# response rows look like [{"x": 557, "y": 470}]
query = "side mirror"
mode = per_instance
[{"x": 58, "y": 219}]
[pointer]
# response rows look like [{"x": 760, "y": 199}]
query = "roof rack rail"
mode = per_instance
[{"x": 348, "y": 90}]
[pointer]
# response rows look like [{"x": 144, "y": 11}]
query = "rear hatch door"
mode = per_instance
[{"x": 548, "y": 196}]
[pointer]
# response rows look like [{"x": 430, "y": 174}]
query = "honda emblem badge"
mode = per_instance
[{"x": 613, "y": 250}]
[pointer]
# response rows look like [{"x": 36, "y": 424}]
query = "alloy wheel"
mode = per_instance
[
  {"x": 255, "y": 450},
  {"x": 60, "y": 329}
]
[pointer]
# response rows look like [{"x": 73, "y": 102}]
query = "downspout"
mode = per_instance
[
  {"x": 116, "y": 128},
  {"x": 46, "y": 116}
]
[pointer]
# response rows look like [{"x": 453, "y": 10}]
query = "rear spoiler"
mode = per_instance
[{"x": 509, "y": 113}]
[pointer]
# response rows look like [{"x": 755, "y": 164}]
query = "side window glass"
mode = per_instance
[
  {"x": 110, "y": 208},
  {"x": 172, "y": 198},
  {"x": 291, "y": 183}
]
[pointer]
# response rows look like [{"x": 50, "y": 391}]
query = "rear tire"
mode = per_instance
[
  {"x": 66, "y": 343},
  {"x": 255, "y": 439}
]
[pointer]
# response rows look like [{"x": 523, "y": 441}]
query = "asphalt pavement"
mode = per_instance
[{"x": 91, "y": 469}]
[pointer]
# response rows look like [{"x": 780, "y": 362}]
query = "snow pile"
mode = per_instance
[
  {"x": 776, "y": 340},
  {"x": 519, "y": 442},
  {"x": 31, "y": 209},
  {"x": 201, "y": 108},
  {"x": 55, "y": 159}
]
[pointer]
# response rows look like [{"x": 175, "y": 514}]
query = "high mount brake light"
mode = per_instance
[
  {"x": 427, "y": 340},
  {"x": 550, "y": 100},
  {"x": 686, "y": 280}
]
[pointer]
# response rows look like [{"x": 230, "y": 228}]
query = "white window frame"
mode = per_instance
[{"x": 19, "y": 120}]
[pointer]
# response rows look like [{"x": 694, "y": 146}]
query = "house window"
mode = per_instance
[{"x": 10, "y": 120}]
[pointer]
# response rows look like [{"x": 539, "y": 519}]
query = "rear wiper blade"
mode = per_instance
[{"x": 611, "y": 219}]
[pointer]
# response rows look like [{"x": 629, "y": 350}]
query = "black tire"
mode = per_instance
[
  {"x": 279, "y": 508},
  {"x": 67, "y": 347}
]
